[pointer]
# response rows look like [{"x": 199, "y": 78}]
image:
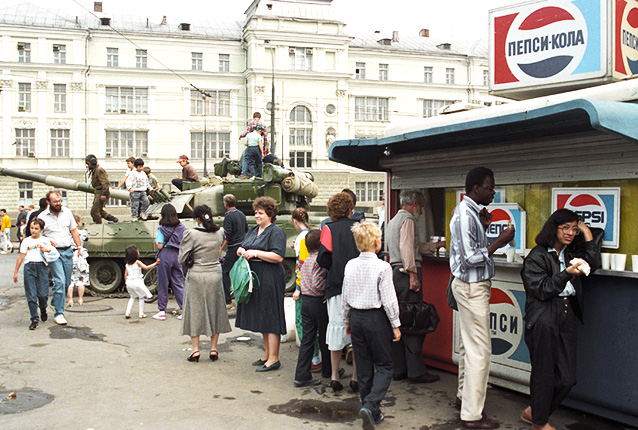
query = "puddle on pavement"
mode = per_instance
[
  {"x": 89, "y": 306},
  {"x": 245, "y": 339},
  {"x": 38, "y": 345},
  {"x": 345, "y": 410},
  {"x": 595, "y": 424},
  {"x": 69, "y": 332},
  {"x": 447, "y": 425},
  {"x": 25, "y": 400}
]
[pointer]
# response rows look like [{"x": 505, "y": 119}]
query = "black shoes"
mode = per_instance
[
  {"x": 259, "y": 362},
  {"x": 194, "y": 357},
  {"x": 33, "y": 325},
  {"x": 399, "y": 376},
  {"x": 214, "y": 356},
  {"x": 354, "y": 386},
  {"x": 308, "y": 383},
  {"x": 43, "y": 315},
  {"x": 336, "y": 385},
  {"x": 112, "y": 218},
  {"x": 426, "y": 378},
  {"x": 263, "y": 368}
]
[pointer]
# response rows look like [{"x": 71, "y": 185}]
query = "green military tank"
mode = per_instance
[{"x": 107, "y": 242}]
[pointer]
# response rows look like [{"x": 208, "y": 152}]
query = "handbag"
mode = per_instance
[
  {"x": 418, "y": 318},
  {"x": 189, "y": 261},
  {"x": 451, "y": 300},
  {"x": 242, "y": 280}
]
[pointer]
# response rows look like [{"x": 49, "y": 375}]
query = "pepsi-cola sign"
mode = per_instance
[
  {"x": 547, "y": 42},
  {"x": 504, "y": 215},
  {"x": 626, "y": 38},
  {"x": 597, "y": 207}
]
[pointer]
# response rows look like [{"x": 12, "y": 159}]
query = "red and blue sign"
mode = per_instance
[
  {"x": 506, "y": 323},
  {"x": 597, "y": 207},
  {"x": 547, "y": 42},
  {"x": 626, "y": 38},
  {"x": 504, "y": 215}
]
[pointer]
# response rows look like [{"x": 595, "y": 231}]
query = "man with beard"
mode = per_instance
[
  {"x": 99, "y": 181},
  {"x": 62, "y": 230}
]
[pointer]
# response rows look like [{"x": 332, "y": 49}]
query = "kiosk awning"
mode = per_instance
[{"x": 560, "y": 121}]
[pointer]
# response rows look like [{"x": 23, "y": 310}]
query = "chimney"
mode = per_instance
[
  {"x": 163, "y": 20},
  {"x": 184, "y": 26},
  {"x": 105, "y": 21},
  {"x": 395, "y": 36},
  {"x": 424, "y": 32},
  {"x": 445, "y": 46},
  {"x": 97, "y": 6}
]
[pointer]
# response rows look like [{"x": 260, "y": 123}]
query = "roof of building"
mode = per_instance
[{"x": 416, "y": 43}]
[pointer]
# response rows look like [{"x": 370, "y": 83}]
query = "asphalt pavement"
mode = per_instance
[{"x": 102, "y": 371}]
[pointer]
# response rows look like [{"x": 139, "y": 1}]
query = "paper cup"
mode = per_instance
[
  {"x": 511, "y": 254},
  {"x": 605, "y": 260},
  {"x": 634, "y": 263},
  {"x": 619, "y": 262}
]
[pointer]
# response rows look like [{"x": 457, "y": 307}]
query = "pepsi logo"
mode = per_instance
[
  {"x": 506, "y": 322},
  {"x": 590, "y": 208},
  {"x": 629, "y": 39},
  {"x": 501, "y": 219},
  {"x": 546, "y": 42}
]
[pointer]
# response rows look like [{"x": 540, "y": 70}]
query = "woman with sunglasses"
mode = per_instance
[{"x": 554, "y": 300}]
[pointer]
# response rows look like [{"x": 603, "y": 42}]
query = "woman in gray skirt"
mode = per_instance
[{"x": 204, "y": 305}]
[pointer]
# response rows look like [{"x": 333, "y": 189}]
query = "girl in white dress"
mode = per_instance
[{"x": 135, "y": 280}]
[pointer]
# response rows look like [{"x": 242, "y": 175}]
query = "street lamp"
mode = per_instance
[
  {"x": 204, "y": 137},
  {"x": 272, "y": 99}
]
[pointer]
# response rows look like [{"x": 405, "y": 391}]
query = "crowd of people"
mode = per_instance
[{"x": 347, "y": 295}]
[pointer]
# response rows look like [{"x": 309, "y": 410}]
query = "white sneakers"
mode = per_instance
[
  {"x": 142, "y": 316},
  {"x": 60, "y": 320},
  {"x": 161, "y": 315}
]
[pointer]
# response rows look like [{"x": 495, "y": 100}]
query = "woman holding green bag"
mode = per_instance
[
  {"x": 204, "y": 304},
  {"x": 264, "y": 247}
]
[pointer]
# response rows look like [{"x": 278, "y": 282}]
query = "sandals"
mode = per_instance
[
  {"x": 214, "y": 356},
  {"x": 194, "y": 357}
]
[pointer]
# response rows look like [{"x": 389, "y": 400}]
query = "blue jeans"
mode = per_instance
[
  {"x": 253, "y": 154},
  {"x": 36, "y": 288},
  {"x": 139, "y": 203},
  {"x": 244, "y": 164},
  {"x": 61, "y": 272}
]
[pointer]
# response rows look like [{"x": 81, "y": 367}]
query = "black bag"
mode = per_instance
[
  {"x": 418, "y": 318},
  {"x": 451, "y": 300},
  {"x": 189, "y": 261}
]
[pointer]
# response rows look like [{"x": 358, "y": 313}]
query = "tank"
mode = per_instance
[{"x": 107, "y": 242}]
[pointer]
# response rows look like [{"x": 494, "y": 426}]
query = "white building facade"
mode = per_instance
[{"x": 118, "y": 86}]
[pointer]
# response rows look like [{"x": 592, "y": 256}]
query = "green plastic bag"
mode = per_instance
[{"x": 242, "y": 280}]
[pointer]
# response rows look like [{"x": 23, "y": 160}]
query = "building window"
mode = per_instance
[
  {"x": 24, "y": 97},
  {"x": 25, "y": 193},
  {"x": 300, "y": 58},
  {"x": 111, "y": 57},
  {"x": 383, "y": 72},
  {"x": 113, "y": 201},
  {"x": 369, "y": 191},
  {"x": 449, "y": 76},
  {"x": 486, "y": 78},
  {"x": 301, "y": 159},
  {"x": 60, "y": 140},
  {"x": 126, "y": 143},
  {"x": 301, "y": 126},
  {"x": 432, "y": 107},
  {"x": 126, "y": 100},
  {"x": 360, "y": 71},
  {"x": 217, "y": 103},
  {"x": 197, "y": 59},
  {"x": 59, "y": 54},
  {"x": 224, "y": 62},
  {"x": 24, "y": 52},
  {"x": 25, "y": 142},
  {"x": 427, "y": 74},
  {"x": 141, "y": 58},
  {"x": 59, "y": 97},
  {"x": 371, "y": 109},
  {"x": 64, "y": 195},
  {"x": 217, "y": 145}
]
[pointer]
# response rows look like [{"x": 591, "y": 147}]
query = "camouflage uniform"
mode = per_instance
[{"x": 100, "y": 181}]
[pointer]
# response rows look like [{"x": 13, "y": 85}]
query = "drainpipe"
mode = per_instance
[
  {"x": 469, "y": 78},
  {"x": 87, "y": 72}
]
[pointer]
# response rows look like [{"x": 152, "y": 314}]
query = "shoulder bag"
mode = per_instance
[{"x": 242, "y": 280}]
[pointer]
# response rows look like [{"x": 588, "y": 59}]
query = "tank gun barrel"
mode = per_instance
[{"x": 58, "y": 182}]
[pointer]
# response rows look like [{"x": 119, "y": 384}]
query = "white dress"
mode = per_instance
[{"x": 135, "y": 282}]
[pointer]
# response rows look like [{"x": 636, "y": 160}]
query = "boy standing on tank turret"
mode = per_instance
[
  {"x": 99, "y": 181},
  {"x": 137, "y": 186}
]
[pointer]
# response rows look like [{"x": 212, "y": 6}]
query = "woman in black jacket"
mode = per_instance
[{"x": 553, "y": 303}]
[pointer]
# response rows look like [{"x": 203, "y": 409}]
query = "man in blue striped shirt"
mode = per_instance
[{"x": 472, "y": 265}]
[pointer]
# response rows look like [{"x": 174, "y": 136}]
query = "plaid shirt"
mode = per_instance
[
  {"x": 251, "y": 127},
  {"x": 367, "y": 284},
  {"x": 312, "y": 277}
]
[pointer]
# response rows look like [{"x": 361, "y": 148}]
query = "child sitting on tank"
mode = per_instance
[
  {"x": 153, "y": 183},
  {"x": 80, "y": 273}
]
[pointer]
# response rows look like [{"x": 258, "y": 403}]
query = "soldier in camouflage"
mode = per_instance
[{"x": 99, "y": 181}]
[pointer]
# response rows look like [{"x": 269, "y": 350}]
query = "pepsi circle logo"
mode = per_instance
[
  {"x": 501, "y": 219},
  {"x": 590, "y": 209},
  {"x": 629, "y": 39},
  {"x": 547, "y": 42},
  {"x": 506, "y": 322}
]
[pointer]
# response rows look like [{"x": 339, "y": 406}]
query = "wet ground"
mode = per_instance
[{"x": 102, "y": 371}]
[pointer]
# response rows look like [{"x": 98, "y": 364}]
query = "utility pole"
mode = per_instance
[
  {"x": 272, "y": 100},
  {"x": 204, "y": 136}
]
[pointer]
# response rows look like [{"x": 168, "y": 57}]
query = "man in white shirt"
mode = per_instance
[
  {"x": 62, "y": 230},
  {"x": 137, "y": 184}
]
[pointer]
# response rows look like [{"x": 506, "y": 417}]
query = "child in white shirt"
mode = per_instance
[
  {"x": 137, "y": 185},
  {"x": 80, "y": 274},
  {"x": 36, "y": 275},
  {"x": 135, "y": 280}
]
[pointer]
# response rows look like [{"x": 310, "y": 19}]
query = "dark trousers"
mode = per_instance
[
  {"x": 552, "y": 349},
  {"x": 372, "y": 336},
  {"x": 407, "y": 353},
  {"x": 169, "y": 269},
  {"x": 36, "y": 288},
  {"x": 229, "y": 261},
  {"x": 179, "y": 183},
  {"x": 97, "y": 210},
  {"x": 253, "y": 157},
  {"x": 314, "y": 319}
]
